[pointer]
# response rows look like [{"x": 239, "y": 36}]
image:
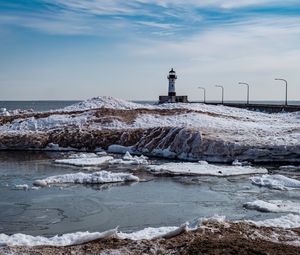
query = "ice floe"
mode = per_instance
[
  {"x": 286, "y": 221},
  {"x": 85, "y": 160},
  {"x": 289, "y": 167},
  {"x": 88, "y": 178},
  {"x": 22, "y": 186},
  {"x": 276, "y": 181},
  {"x": 274, "y": 206},
  {"x": 203, "y": 168}
]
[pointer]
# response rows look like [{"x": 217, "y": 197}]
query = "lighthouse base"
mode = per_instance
[{"x": 173, "y": 99}]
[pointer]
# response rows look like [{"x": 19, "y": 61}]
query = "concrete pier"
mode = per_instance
[{"x": 270, "y": 108}]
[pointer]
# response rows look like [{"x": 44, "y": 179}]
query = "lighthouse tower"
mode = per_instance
[
  {"x": 172, "y": 78},
  {"x": 171, "y": 97}
]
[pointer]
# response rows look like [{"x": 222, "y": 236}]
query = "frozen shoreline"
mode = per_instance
[
  {"x": 189, "y": 132},
  {"x": 289, "y": 221}
]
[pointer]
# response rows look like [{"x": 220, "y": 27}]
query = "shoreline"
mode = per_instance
[{"x": 212, "y": 237}]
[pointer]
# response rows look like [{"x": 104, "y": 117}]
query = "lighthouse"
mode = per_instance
[
  {"x": 172, "y": 78},
  {"x": 171, "y": 97}
]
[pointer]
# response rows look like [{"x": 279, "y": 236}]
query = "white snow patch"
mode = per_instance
[
  {"x": 103, "y": 102},
  {"x": 47, "y": 123},
  {"x": 276, "y": 181},
  {"x": 274, "y": 206},
  {"x": 203, "y": 168},
  {"x": 88, "y": 178},
  {"x": 85, "y": 161}
]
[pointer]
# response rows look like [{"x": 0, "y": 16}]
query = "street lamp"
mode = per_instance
[
  {"x": 204, "y": 94},
  {"x": 244, "y": 83},
  {"x": 286, "y": 100},
  {"x": 219, "y": 86}
]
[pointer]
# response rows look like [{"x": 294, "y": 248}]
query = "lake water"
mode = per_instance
[
  {"x": 162, "y": 201},
  {"x": 52, "y": 105}
]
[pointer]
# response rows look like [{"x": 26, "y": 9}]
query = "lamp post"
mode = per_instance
[
  {"x": 286, "y": 89},
  {"x": 219, "y": 86},
  {"x": 204, "y": 94},
  {"x": 244, "y": 83}
]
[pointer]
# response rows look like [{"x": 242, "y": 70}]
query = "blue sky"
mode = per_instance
[{"x": 72, "y": 49}]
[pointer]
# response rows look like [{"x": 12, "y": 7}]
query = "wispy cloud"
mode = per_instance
[{"x": 95, "y": 16}]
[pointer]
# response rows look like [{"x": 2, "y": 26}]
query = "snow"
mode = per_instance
[
  {"x": 47, "y": 123},
  {"x": 63, "y": 240},
  {"x": 87, "y": 160},
  {"x": 88, "y": 178},
  {"x": 230, "y": 124},
  {"x": 276, "y": 181},
  {"x": 274, "y": 206},
  {"x": 286, "y": 221},
  {"x": 103, "y": 102},
  {"x": 4, "y": 112},
  {"x": 203, "y": 168}
]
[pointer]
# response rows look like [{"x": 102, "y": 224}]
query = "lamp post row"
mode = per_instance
[{"x": 246, "y": 84}]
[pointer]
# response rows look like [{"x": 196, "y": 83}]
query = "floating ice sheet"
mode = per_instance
[
  {"x": 274, "y": 206},
  {"x": 276, "y": 181},
  {"x": 203, "y": 168},
  {"x": 88, "y": 178},
  {"x": 84, "y": 161},
  {"x": 286, "y": 221}
]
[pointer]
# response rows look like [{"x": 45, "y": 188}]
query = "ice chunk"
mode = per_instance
[
  {"x": 202, "y": 168},
  {"x": 56, "y": 147},
  {"x": 85, "y": 161},
  {"x": 130, "y": 160},
  {"x": 115, "y": 148},
  {"x": 63, "y": 240},
  {"x": 147, "y": 233},
  {"x": 89, "y": 178},
  {"x": 40, "y": 183},
  {"x": 22, "y": 186},
  {"x": 274, "y": 206},
  {"x": 276, "y": 181}
]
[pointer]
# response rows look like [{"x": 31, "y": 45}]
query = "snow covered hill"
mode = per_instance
[{"x": 185, "y": 131}]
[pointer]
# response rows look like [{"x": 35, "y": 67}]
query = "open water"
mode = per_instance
[{"x": 162, "y": 201}]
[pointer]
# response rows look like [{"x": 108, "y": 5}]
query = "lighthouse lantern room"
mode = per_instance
[{"x": 171, "y": 97}]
